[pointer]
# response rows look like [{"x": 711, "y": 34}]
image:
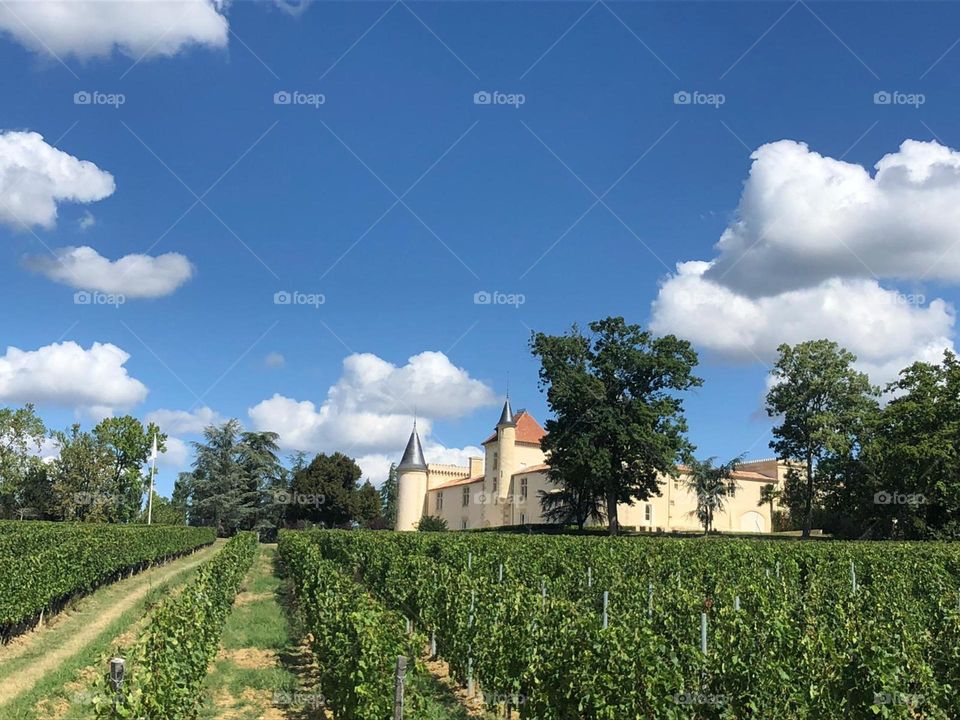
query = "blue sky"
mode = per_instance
[{"x": 582, "y": 199}]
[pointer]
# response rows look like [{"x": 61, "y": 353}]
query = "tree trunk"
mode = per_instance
[
  {"x": 612, "y": 517},
  {"x": 808, "y": 520}
]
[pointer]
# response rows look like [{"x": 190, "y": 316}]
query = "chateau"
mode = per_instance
[{"x": 503, "y": 487}]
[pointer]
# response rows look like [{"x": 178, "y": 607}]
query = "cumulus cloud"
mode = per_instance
[
  {"x": 804, "y": 218},
  {"x": 93, "y": 380},
  {"x": 184, "y": 422},
  {"x": 90, "y": 28},
  {"x": 35, "y": 176},
  {"x": 368, "y": 412},
  {"x": 802, "y": 258},
  {"x": 176, "y": 456},
  {"x": 133, "y": 275}
]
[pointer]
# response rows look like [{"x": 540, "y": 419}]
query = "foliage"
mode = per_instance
[
  {"x": 619, "y": 423},
  {"x": 43, "y": 563},
  {"x": 21, "y": 436},
  {"x": 432, "y": 523},
  {"x": 354, "y": 640},
  {"x": 367, "y": 505},
  {"x": 325, "y": 490},
  {"x": 525, "y": 617},
  {"x": 388, "y": 497},
  {"x": 165, "y": 512},
  {"x": 825, "y": 408},
  {"x": 234, "y": 479},
  {"x": 712, "y": 485},
  {"x": 167, "y": 666}
]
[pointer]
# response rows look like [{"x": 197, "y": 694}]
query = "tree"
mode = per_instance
[
  {"x": 769, "y": 494},
  {"x": 712, "y": 485},
  {"x": 577, "y": 496},
  {"x": 911, "y": 464},
  {"x": 81, "y": 478},
  {"x": 367, "y": 504},
  {"x": 165, "y": 512},
  {"x": 21, "y": 436},
  {"x": 325, "y": 490},
  {"x": 431, "y": 523},
  {"x": 388, "y": 497},
  {"x": 617, "y": 414},
  {"x": 823, "y": 404},
  {"x": 128, "y": 444}
]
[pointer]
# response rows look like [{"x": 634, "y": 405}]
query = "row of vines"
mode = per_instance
[
  {"x": 43, "y": 564},
  {"x": 567, "y": 628},
  {"x": 165, "y": 670}
]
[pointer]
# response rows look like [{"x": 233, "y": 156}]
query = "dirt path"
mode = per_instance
[{"x": 71, "y": 633}]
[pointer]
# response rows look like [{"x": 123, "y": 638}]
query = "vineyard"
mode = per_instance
[
  {"x": 45, "y": 564},
  {"x": 564, "y": 628}
]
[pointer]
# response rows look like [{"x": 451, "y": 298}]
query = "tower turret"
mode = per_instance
[
  {"x": 411, "y": 484},
  {"x": 506, "y": 443}
]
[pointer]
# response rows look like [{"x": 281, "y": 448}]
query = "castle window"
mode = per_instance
[
  {"x": 523, "y": 519},
  {"x": 494, "y": 484},
  {"x": 496, "y": 459},
  {"x": 648, "y": 513},
  {"x": 463, "y": 524},
  {"x": 439, "y": 501},
  {"x": 466, "y": 496},
  {"x": 523, "y": 488}
]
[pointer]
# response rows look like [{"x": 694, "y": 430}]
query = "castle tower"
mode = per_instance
[
  {"x": 507, "y": 445},
  {"x": 411, "y": 484}
]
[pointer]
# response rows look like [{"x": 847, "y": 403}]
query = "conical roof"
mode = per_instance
[
  {"x": 506, "y": 417},
  {"x": 413, "y": 455}
]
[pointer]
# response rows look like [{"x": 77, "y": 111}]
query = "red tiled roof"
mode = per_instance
[
  {"x": 736, "y": 474},
  {"x": 543, "y": 467},
  {"x": 458, "y": 481},
  {"x": 528, "y": 430}
]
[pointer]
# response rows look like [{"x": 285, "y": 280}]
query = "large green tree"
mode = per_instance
[
  {"x": 388, "y": 497},
  {"x": 22, "y": 476},
  {"x": 325, "y": 490},
  {"x": 81, "y": 478},
  {"x": 618, "y": 414},
  {"x": 823, "y": 406},
  {"x": 128, "y": 444},
  {"x": 911, "y": 470}
]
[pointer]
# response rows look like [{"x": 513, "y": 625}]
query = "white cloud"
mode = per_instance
[
  {"x": 177, "y": 454},
  {"x": 804, "y": 218},
  {"x": 35, "y": 176},
  {"x": 184, "y": 422},
  {"x": 812, "y": 252},
  {"x": 368, "y": 412},
  {"x": 93, "y": 380},
  {"x": 885, "y": 329},
  {"x": 138, "y": 28},
  {"x": 274, "y": 360},
  {"x": 131, "y": 275},
  {"x": 87, "y": 220}
]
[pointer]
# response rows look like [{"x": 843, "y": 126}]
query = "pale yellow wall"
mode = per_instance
[{"x": 411, "y": 495}]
